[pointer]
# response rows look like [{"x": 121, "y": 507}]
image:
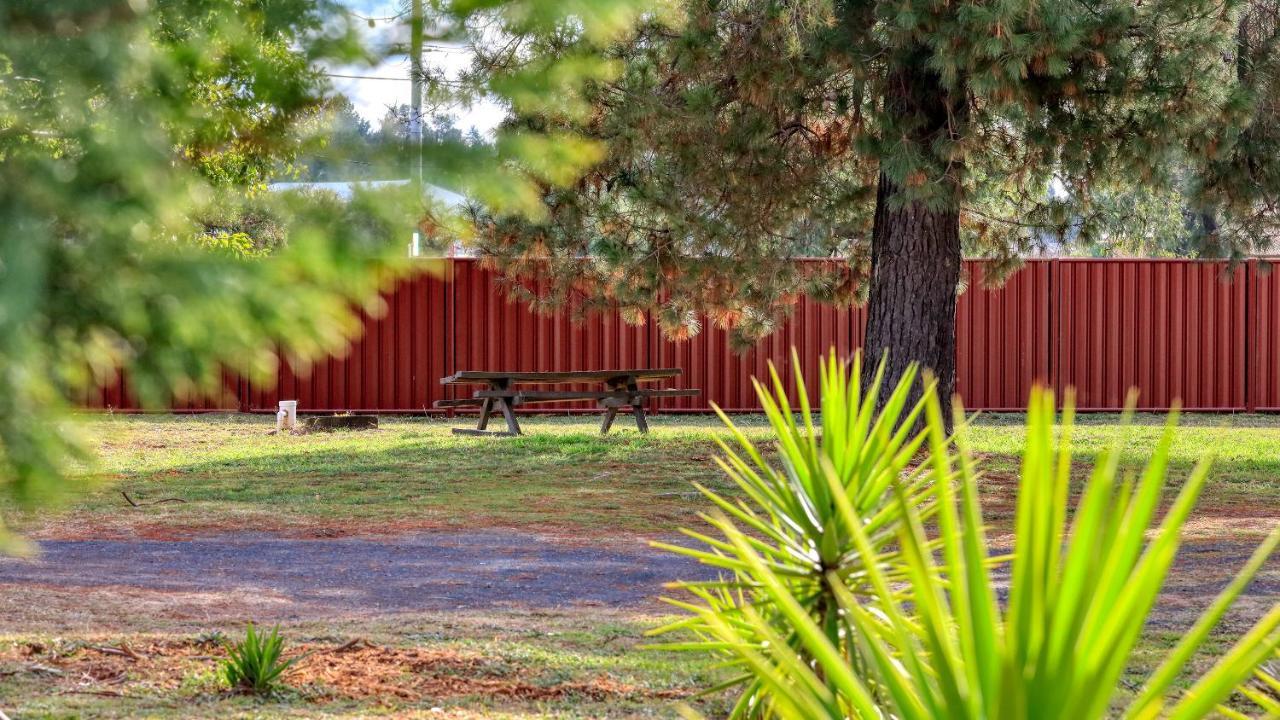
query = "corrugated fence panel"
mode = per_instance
[
  {"x": 227, "y": 398},
  {"x": 712, "y": 365},
  {"x": 492, "y": 332},
  {"x": 1172, "y": 329},
  {"x": 394, "y": 366},
  {"x": 1264, "y": 336},
  {"x": 117, "y": 397},
  {"x": 813, "y": 329},
  {"x": 1003, "y": 337},
  {"x": 114, "y": 396},
  {"x": 723, "y": 374}
]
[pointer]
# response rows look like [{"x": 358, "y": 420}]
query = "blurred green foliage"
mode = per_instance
[{"x": 135, "y": 142}]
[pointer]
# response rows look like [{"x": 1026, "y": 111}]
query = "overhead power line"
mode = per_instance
[
  {"x": 432, "y": 81},
  {"x": 368, "y": 19},
  {"x": 367, "y": 77}
]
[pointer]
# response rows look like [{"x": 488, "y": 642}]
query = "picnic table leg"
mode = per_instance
[
  {"x": 485, "y": 408},
  {"x": 637, "y": 407},
  {"x": 512, "y": 426},
  {"x": 504, "y": 404},
  {"x": 611, "y": 411},
  {"x": 642, "y": 424},
  {"x": 609, "y": 415}
]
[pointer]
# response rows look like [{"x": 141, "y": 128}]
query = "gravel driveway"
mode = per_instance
[
  {"x": 418, "y": 572},
  {"x": 463, "y": 569}
]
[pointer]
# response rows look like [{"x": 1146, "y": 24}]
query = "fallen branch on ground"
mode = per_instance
[
  {"x": 124, "y": 650},
  {"x": 348, "y": 645},
  {"x": 154, "y": 502},
  {"x": 351, "y": 644}
]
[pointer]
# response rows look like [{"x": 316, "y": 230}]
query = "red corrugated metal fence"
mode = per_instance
[
  {"x": 489, "y": 332},
  {"x": 724, "y": 376},
  {"x": 1263, "y": 345},
  {"x": 1003, "y": 337},
  {"x": 1174, "y": 329},
  {"x": 1199, "y": 331},
  {"x": 395, "y": 366}
]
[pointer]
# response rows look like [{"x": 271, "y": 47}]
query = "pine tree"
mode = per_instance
[
  {"x": 1237, "y": 192},
  {"x": 899, "y": 134}
]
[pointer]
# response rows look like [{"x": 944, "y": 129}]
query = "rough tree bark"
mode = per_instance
[{"x": 915, "y": 246}]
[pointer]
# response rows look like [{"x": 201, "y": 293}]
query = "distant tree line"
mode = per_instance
[{"x": 344, "y": 146}]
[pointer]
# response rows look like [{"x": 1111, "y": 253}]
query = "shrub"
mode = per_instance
[
  {"x": 918, "y": 631},
  {"x": 798, "y": 528},
  {"x": 1262, "y": 692},
  {"x": 254, "y": 664}
]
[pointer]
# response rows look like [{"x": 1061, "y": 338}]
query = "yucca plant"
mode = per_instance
[
  {"x": 254, "y": 664},
  {"x": 929, "y": 638},
  {"x": 850, "y": 455},
  {"x": 1262, "y": 691}
]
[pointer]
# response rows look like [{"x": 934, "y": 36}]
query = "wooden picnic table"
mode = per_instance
[{"x": 502, "y": 392}]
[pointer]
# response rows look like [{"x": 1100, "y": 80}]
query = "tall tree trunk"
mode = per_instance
[
  {"x": 915, "y": 247},
  {"x": 915, "y": 268}
]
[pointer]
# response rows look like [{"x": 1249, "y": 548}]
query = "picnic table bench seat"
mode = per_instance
[{"x": 622, "y": 391}]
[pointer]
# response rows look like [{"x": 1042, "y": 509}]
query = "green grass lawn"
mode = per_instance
[
  {"x": 562, "y": 474},
  {"x": 413, "y": 473}
]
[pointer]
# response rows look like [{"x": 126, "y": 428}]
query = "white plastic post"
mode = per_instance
[
  {"x": 289, "y": 408},
  {"x": 415, "y": 248}
]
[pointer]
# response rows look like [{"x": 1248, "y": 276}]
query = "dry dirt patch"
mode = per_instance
[{"x": 321, "y": 673}]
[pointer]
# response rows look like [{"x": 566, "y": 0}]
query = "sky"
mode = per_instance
[{"x": 372, "y": 97}]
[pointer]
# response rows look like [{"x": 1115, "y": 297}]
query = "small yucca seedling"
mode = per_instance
[
  {"x": 212, "y": 637},
  {"x": 254, "y": 664}
]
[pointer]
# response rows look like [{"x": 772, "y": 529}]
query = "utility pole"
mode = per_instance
[{"x": 416, "y": 23}]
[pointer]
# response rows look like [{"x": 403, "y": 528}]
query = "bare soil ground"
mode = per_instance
[{"x": 354, "y": 670}]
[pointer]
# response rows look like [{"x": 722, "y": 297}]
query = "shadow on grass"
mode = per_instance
[
  {"x": 406, "y": 471},
  {"x": 563, "y": 472}
]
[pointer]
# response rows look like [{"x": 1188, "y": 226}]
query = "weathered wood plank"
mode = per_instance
[
  {"x": 476, "y": 377},
  {"x": 461, "y": 402},
  {"x": 625, "y": 402},
  {"x": 669, "y": 392},
  {"x": 524, "y": 397},
  {"x": 544, "y": 394}
]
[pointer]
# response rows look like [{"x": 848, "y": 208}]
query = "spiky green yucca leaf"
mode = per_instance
[
  {"x": 926, "y": 636},
  {"x": 1261, "y": 691},
  {"x": 254, "y": 664},
  {"x": 794, "y": 512}
]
